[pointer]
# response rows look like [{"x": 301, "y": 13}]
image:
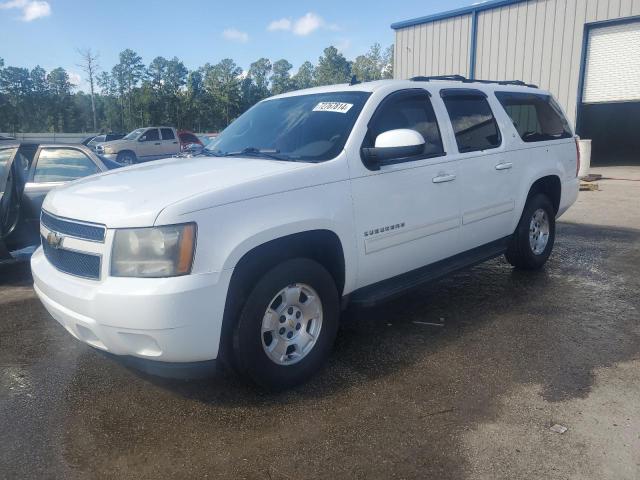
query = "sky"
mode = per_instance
[{"x": 49, "y": 32}]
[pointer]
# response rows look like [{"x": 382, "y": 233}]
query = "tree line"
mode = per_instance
[{"x": 165, "y": 92}]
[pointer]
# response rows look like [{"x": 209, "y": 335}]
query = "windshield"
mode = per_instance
[
  {"x": 135, "y": 134},
  {"x": 98, "y": 139},
  {"x": 306, "y": 127}
]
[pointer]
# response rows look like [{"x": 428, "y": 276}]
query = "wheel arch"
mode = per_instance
[
  {"x": 127, "y": 150},
  {"x": 321, "y": 245},
  {"x": 551, "y": 186}
]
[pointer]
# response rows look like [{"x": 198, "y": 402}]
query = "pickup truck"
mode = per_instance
[
  {"x": 142, "y": 145},
  {"x": 310, "y": 201}
]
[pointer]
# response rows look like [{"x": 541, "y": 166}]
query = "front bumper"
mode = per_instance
[
  {"x": 175, "y": 319},
  {"x": 108, "y": 156}
]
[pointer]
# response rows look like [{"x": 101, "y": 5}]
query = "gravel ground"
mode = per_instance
[{"x": 474, "y": 398}]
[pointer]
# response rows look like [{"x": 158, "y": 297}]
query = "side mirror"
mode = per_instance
[
  {"x": 391, "y": 145},
  {"x": 143, "y": 138}
]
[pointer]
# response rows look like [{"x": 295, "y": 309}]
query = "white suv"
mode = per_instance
[{"x": 309, "y": 201}]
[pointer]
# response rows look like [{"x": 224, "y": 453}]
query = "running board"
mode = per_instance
[{"x": 393, "y": 287}]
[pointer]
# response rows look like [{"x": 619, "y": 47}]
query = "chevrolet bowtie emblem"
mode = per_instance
[{"x": 54, "y": 240}]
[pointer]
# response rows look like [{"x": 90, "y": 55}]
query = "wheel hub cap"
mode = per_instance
[
  {"x": 539, "y": 231},
  {"x": 291, "y": 324}
]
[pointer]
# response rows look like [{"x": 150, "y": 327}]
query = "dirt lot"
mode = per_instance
[{"x": 475, "y": 398}]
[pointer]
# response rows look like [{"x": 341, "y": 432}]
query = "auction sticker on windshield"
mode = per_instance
[{"x": 338, "y": 107}]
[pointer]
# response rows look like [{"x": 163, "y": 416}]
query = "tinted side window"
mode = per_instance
[
  {"x": 62, "y": 165},
  {"x": 151, "y": 135},
  {"x": 407, "y": 109},
  {"x": 536, "y": 117},
  {"x": 473, "y": 122},
  {"x": 167, "y": 134}
]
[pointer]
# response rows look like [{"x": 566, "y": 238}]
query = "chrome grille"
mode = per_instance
[
  {"x": 80, "y": 264},
  {"x": 84, "y": 231}
]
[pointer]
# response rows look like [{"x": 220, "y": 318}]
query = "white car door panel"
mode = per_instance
[
  {"x": 487, "y": 168},
  {"x": 407, "y": 214},
  {"x": 415, "y": 222}
]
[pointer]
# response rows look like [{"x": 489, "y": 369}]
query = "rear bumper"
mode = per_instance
[
  {"x": 168, "y": 320},
  {"x": 569, "y": 194}
]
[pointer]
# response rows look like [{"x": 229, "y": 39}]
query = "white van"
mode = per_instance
[{"x": 309, "y": 201}]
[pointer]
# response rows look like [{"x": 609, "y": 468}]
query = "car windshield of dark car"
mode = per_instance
[
  {"x": 310, "y": 128},
  {"x": 135, "y": 134}
]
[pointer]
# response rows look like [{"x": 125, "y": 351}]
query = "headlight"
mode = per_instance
[{"x": 153, "y": 252}]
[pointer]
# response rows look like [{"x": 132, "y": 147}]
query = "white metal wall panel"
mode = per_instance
[
  {"x": 612, "y": 71},
  {"x": 434, "y": 48},
  {"x": 538, "y": 41}
]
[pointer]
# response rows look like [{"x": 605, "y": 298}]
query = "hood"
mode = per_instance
[
  {"x": 134, "y": 196},
  {"x": 116, "y": 144}
]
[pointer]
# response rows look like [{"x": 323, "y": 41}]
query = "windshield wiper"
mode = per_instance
[{"x": 256, "y": 152}]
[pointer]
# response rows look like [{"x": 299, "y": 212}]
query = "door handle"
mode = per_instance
[
  {"x": 449, "y": 177},
  {"x": 157, "y": 143},
  {"x": 175, "y": 143},
  {"x": 504, "y": 166}
]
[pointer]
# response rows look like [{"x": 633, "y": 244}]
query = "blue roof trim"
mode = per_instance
[{"x": 455, "y": 13}]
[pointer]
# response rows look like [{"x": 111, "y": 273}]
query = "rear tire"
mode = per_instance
[
  {"x": 287, "y": 326},
  {"x": 533, "y": 240},
  {"x": 127, "y": 158}
]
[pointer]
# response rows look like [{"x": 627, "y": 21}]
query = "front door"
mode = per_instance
[
  {"x": 487, "y": 186},
  {"x": 52, "y": 167},
  {"x": 150, "y": 146},
  {"x": 407, "y": 213},
  {"x": 9, "y": 198}
]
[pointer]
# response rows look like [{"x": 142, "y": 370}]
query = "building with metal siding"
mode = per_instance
[{"x": 544, "y": 42}]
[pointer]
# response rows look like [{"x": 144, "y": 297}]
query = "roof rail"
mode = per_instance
[
  {"x": 458, "y": 78},
  {"x": 506, "y": 82},
  {"x": 461, "y": 78}
]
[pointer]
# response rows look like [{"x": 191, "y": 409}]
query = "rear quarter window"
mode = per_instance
[{"x": 536, "y": 117}]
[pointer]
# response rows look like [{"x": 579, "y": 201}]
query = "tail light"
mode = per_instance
[{"x": 577, "y": 155}]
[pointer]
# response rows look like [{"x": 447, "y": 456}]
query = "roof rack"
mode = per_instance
[{"x": 460, "y": 78}]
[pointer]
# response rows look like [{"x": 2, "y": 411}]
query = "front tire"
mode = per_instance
[
  {"x": 288, "y": 324},
  {"x": 533, "y": 240},
  {"x": 127, "y": 158}
]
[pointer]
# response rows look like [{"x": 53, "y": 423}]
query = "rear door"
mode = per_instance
[
  {"x": 487, "y": 185},
  {"x": 170, "y": 144},
  {"x": 52, "y": 166}
]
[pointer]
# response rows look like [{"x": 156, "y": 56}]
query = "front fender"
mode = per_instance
[{"x": 227, "y": 232}]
